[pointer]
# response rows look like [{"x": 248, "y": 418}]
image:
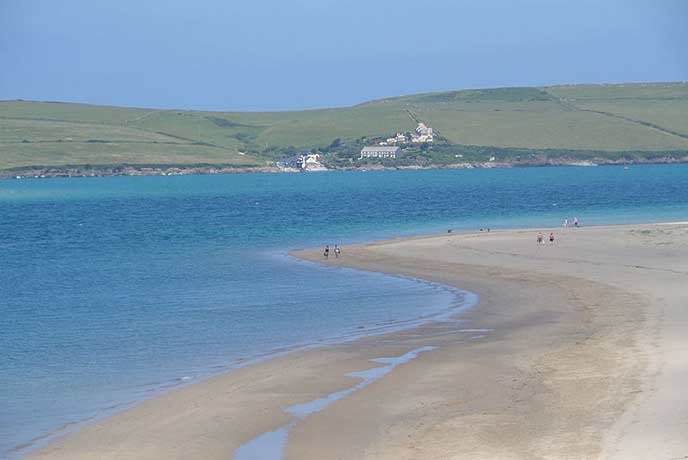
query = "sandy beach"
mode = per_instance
[{"x": 576, "y": 350}]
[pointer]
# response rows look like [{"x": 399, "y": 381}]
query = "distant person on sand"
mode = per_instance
[
  {"x": 337, "y": 251},
  {"x": 327, "y": 252},
  {"x": 566, "y": 222},
  {"x": 551, "y": 238},
  {"x": 575, "y": 221},
  {"x": 540, "y": 239}
]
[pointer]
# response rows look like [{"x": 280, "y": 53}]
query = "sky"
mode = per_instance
[{"x": 296, "y": 54}]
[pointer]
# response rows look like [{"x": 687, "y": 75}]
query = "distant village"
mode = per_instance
[
  {"x": 389, "y": 148},
  {"x": 422, "y": 134},
  {"x": 385, "y": 149}
]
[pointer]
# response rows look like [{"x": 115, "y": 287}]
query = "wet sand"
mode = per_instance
[{"x": 576, "y": 350}]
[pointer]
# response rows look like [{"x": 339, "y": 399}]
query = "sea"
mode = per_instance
[{"x": 115, "y": 289}]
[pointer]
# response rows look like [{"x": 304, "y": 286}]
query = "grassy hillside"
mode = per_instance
[{"x": 601, "y": 118}]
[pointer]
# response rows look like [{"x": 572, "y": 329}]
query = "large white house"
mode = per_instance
[
  {"x": 311, "y": 162},
  {"x": 423, "y": 129},
  {"x": 423, "y": 133},
  {"x": 379, "y": 152}
]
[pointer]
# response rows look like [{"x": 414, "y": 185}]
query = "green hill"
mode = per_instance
[{"x": 574, "y": 120}]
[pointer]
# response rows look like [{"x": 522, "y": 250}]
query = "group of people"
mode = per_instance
[
  {"x": 541, "y": 238},
  {"x": 575, "y": 222},
  {"x": 337, "y": 251}
]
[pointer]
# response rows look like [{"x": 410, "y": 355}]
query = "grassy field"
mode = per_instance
[{"x": 610, "y": 118}]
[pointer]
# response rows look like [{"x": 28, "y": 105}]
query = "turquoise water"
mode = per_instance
[{"x": 113, "y": 289}]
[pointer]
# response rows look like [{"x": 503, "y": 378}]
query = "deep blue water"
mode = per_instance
[{"x": 113, "y": 288}]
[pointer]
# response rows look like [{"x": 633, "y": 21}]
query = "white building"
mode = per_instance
[
  {"x": 398, "y": 139},
  {"x": 379, "y": 152},
  {"x": 423, "y": 133},
  {"x": 310, "y": 162},
  {"x": 310, "y": 159},
  {"x": 422, "y": 138},
  {"x": 423, "y": 130}
]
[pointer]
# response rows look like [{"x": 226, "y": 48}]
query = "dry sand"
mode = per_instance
[{"x": 586, "y": 356}]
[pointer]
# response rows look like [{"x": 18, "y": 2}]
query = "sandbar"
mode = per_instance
[{"x": 576, "y": 350}]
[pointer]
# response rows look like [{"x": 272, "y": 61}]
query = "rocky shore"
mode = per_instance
[
  {"x": 174, "y": 170},
  {"x": 128, "y": 170}
]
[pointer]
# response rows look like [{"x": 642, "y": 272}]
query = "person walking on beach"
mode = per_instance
[
  {"x": 540, "y": 239},
  {"x": 337, "y": 251},
  {"x": 575, "y": 222},
  {"x": 327, "y": 252},
  {"x": 566, "y": 222},
  {"x": 551, "y": 238}
]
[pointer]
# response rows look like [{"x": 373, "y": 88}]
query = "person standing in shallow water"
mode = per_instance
[
  {"x": 327, "y": 252},
  {"x": 337, "y": 251}
]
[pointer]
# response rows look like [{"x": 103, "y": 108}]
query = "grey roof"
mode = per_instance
[{"x": 380, "y": 148}]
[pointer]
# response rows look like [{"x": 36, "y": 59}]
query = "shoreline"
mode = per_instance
[
  {"x": 462, "y": 301},
  {"x": 74, "y": 171},
  {"x": 568, "y": 360}
]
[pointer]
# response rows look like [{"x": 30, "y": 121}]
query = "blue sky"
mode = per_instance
[{"x": 281, "y": 54}]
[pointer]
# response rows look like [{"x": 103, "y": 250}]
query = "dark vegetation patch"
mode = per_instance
[
  {"x": 454, "y": 153},
  {"x": 225, "y": 123},
  {"x": 245, "y": 137},
  {"x": 440, "y": 154}
]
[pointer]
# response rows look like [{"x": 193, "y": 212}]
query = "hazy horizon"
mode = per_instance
[{"x": 312, "y": 54}]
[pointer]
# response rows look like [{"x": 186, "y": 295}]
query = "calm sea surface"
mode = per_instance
[{"x": 112, "y": 289}]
